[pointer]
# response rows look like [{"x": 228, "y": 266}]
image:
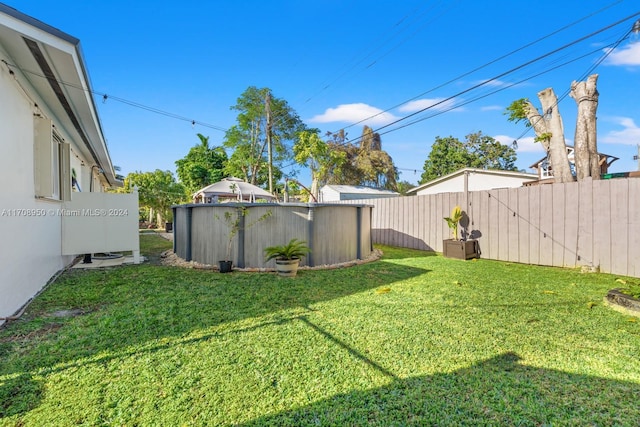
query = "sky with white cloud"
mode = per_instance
[
  {"x": 629, "y": 134},
  {"x": 343, "y": 65},
  {"x": 626, "y": 55},
  {"x": 353, "y": 113}
]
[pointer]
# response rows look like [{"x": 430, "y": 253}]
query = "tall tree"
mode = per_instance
[
  {"x": 548, "y": 128},
  {"x": 447, "y": 155},
  {"x": 550, "y": 133},
  {"x": 346, "y": 172},
  {"x": 157, "y": 190},
  {"x": 310, "y": 150},
  {"x": 375, "y": 165},
  {"x": 404, "y": 187},
  {"x": 249, "y": 137},
  {"x": 203, "y": 165},
  {"x": 477, "y": 151},
  {"x": 487, "y": 153},
  {"x": 585, "y": 142},
  {"x": 363, "y": 164}
]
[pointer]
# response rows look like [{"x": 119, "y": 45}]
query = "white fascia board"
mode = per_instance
[{"x": 64, "y": 55}]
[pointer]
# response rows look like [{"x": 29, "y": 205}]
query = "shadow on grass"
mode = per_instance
[
  {"x": 497, "y": 391},
  {"x": 129, "y": 309},
  {"x": 393, "y": 252},
  {"x": 396, "y": 238},
  {"x": 30, "y": 394}
]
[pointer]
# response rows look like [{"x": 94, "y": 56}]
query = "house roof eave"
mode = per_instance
[
  {"x": 52, "y": 62},
  {"x": 472, "y": 170}
]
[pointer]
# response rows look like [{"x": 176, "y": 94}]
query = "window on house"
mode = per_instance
[
  {"x": 545, "y": 169},
  {"x": 52, "y": 162}
]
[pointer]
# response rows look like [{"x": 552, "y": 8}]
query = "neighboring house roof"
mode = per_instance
[
  {"x": 52, "y": 61},
  {"x": 359, "y": 189},
  {"x": 490, "y": 172},
  {"x": 570, "y": 153},
  {"x": 233, "y": 188}
]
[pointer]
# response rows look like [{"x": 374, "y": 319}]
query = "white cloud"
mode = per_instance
[
  {"x": 421, "y": 104},
  {"x": 493, "y": 83},
  {"x": 492, "y": 108},
  {"x": 353, "y": 113},
  {"x": 629, "y": 135},
  {"x": 525, "y": 145},
  {"x": 628, "y": 55}
]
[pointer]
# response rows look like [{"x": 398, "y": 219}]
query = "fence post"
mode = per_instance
[
  {"x": 174, "y": 211},
  {"x": 310, "y": 229},
  {"x": 359, "y": 232},
  {"x": 240, "y": 237},
  {"x": 466, "y": 203},
  {"x": 188, "y": 236}
]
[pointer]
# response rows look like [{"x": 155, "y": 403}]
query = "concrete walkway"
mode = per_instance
[
  {"x": 168, "y": 236},
  {"x": 111, "y": 262}
]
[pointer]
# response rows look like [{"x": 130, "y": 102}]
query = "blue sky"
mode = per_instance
[{"x": 340, "y": 62}]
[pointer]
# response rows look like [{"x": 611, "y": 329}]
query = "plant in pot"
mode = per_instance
[
  {"x": 287, "y": 256},
  {"x": 456, "y": 248},
  {"x": 454, "y": 220},
  {"x": 235, "y": 224}
]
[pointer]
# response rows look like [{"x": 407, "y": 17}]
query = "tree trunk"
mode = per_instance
[
  {"x": 557, "y": 146},
  {"x": 586, "y": 150},
  {"x": 537, "y": 123},
  {"x": 313, "y": 194},
  {"x": 267, "y": 108},
  {"x": 550, "y": 133}
]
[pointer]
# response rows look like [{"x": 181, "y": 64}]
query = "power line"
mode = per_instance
[
  {"x": 105, "y": 97},
  {"x": 458, "y": 105},
  {"x": 379, "y": 47},
  {"x": 608, "y": 50},
  {"x": 461, "y": 76},
  {"x": 482, "y": 67},
  {"x": 512, "y": 70}
]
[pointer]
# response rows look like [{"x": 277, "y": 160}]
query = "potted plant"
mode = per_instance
[
  {"x": 235, "y": 224},
  {"x": 454, "y": 220},
  {"x": 287, "y": 256},
  {"x": 456, "y": 248}
]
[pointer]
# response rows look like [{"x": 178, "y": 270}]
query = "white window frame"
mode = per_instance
[{"x": 52, "y": 162}]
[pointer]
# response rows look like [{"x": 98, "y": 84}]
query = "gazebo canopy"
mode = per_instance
[{"x": 233, "y": 188}]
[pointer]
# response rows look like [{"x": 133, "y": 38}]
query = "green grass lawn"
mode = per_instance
[{"x": 412, "y": 339}]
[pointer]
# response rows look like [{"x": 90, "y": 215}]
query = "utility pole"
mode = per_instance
[
  {"x": 267, "y": 108},
  {"x": 637, "y": 156}
]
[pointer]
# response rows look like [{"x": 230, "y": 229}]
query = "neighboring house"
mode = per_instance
[
  {"x": 55, "y": 165},
  {"x": 231, "y": 189},
  {"x": 474, "y": 180},
  {"x": 544, "y": 170},
  {"x": 335, "y": 193}
]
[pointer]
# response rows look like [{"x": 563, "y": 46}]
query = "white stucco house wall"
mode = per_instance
[
  {"x": 476, "y": 180},
  {"x": 54, "y": 162},
  {"x": 336, "y": 193}
]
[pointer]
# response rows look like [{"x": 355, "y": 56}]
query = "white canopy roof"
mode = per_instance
[{"x": 234, "y": 188}]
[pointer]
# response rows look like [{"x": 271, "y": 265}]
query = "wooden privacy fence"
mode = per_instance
[{"x": 587, "y": 223}]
